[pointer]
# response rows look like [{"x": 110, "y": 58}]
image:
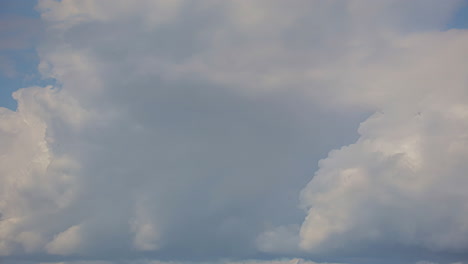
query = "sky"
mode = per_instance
[{"x": 233, "y": 132}]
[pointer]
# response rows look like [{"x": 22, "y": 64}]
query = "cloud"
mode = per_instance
[
  {"x": 79, "y": 262},
  {"x": 184, "y": 132},
  {"x": 35, "y": 180},
  {"x": 291, "y": 261},
  {"x": 281, "y": 239},
  {"x": 136, "y": 162},
  {"x": 400, "y": 182},
  {"x": 282, "y": 261},
  {"x": 66, "y": 242},
  {"x": 428, "y": 262}
]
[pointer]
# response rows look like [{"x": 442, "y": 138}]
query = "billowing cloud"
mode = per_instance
[
  {"x": 185, "y": 131},
  {"x": 401, "y": 181}
]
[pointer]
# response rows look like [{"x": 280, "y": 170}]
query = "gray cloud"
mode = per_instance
[{"x": 184, "y": 131}]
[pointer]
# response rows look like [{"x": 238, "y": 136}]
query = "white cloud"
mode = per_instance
[
  {"x": 66, "y": 242},
  {"x": 36, "y": 181},
  {"x": 400, "y": 181}
]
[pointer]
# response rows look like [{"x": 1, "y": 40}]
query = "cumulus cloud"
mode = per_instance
[
  {"x": 185, "y": 131},
  {"x": 130, "y": 158},
  {"x": 36, "y": 182},
  {"x": 401, "y": 181},
  {"x": 398, "y": 182}
]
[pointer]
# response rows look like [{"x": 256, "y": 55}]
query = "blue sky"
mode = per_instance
[
  {"x": 460, "y": 19},
  {"x": 20, "y": 33}
]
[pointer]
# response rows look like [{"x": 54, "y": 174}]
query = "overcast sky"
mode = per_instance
[{"x": 234, "y": 132}]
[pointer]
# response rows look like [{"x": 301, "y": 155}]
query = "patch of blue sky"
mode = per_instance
[
  {"x": 20, "y": 72},
  {"x": 460, "y": 18},
  {"x": 19, "y": 30}
]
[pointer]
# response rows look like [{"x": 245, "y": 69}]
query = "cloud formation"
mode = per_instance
[
  {"x": 400, "y": 182},
  {"x": 185, "y": 131},
  {"x": 280, "y": 261}
]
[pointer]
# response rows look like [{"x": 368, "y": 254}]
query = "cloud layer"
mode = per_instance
[{"x": 185, "y": 131}]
